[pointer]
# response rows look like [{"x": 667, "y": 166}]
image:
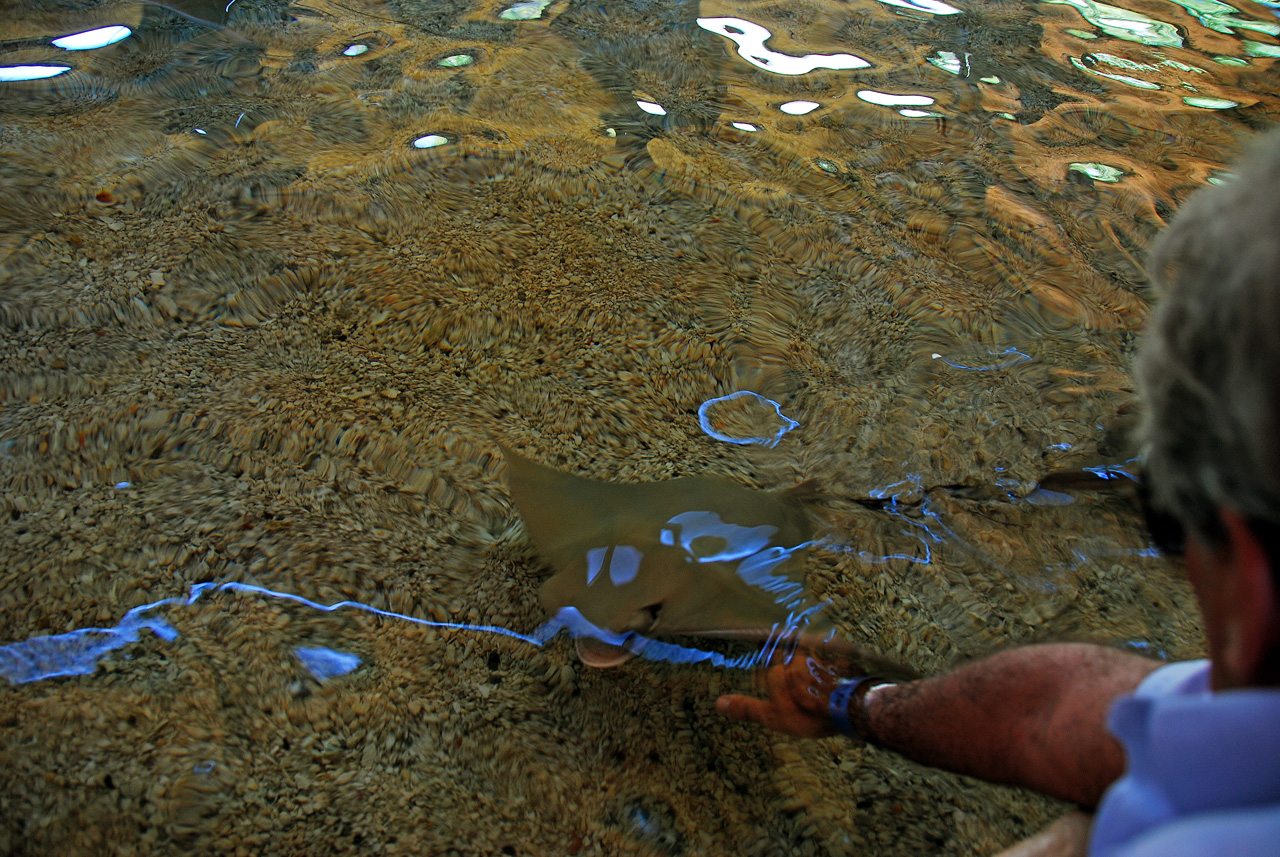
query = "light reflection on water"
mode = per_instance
[
  {"x": 750, "y": 39},
  {"x": 286, "y": 284},
  {"x": 79, "y": 652}
]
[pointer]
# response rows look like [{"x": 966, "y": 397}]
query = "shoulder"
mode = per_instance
[
  {"x": 1250, "y": 832},
  {"x": 1184, "y": 678},
  {"x": 1202, "y": 775}
]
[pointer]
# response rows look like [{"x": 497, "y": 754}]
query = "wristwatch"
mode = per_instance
[{"x": 846, "y": 706}]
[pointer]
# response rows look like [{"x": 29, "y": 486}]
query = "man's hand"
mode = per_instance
[{"x": 799, "y": 683}]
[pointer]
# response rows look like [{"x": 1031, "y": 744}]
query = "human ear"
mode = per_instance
[{"x": 1251, "y": 624}]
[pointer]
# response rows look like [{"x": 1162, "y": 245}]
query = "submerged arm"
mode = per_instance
[{"x": 1034, "y": 716}]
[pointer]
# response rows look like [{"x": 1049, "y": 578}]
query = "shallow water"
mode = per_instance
[{"x": 276, "y": 281}]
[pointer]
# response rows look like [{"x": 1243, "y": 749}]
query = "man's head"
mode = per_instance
[{"x": 1209, "y": 375}]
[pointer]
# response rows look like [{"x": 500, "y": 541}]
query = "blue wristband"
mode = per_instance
[{"x": 838, "y": 705}]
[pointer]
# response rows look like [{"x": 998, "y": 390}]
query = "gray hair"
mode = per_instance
[{"x": 1209, "y": 369}]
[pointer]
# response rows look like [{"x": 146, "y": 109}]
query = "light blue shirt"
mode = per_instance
[{"x": 1203, "y": 778}]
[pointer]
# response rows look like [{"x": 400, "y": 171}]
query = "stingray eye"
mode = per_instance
[{"x": 643, "y": 620}]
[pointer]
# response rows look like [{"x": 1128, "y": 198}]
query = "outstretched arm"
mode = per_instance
[{"x": 1034, "y": 716}]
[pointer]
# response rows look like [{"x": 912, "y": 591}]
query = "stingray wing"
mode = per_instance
[{"x": 564, "y": 515}]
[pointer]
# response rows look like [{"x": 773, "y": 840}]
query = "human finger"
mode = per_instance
[
  {"x": 748, "y": 709},
  {"x": 780, "y": 682}
]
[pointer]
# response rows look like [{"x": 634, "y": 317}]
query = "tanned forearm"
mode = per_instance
[{"x": 1034, "y": 717}]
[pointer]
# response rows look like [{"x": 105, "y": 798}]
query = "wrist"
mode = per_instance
[{"x": 848, "y": 707}]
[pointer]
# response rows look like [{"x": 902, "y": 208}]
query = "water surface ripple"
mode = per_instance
[{"x": 277, "y": 279}]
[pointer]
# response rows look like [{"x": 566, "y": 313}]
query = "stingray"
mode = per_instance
[{"x": 698, "y": 555}]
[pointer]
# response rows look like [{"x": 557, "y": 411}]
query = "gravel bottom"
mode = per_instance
[{"x": 282, "y": 353}]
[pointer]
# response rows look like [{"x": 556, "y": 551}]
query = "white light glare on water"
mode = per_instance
[
  {"x": 13, "y": 73},
  {"x": 751, "y": 37},
  {"x": 888, "y": 99},
  {"x": 91, "y": 39},
  {"x": 799, "y": 108}
]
